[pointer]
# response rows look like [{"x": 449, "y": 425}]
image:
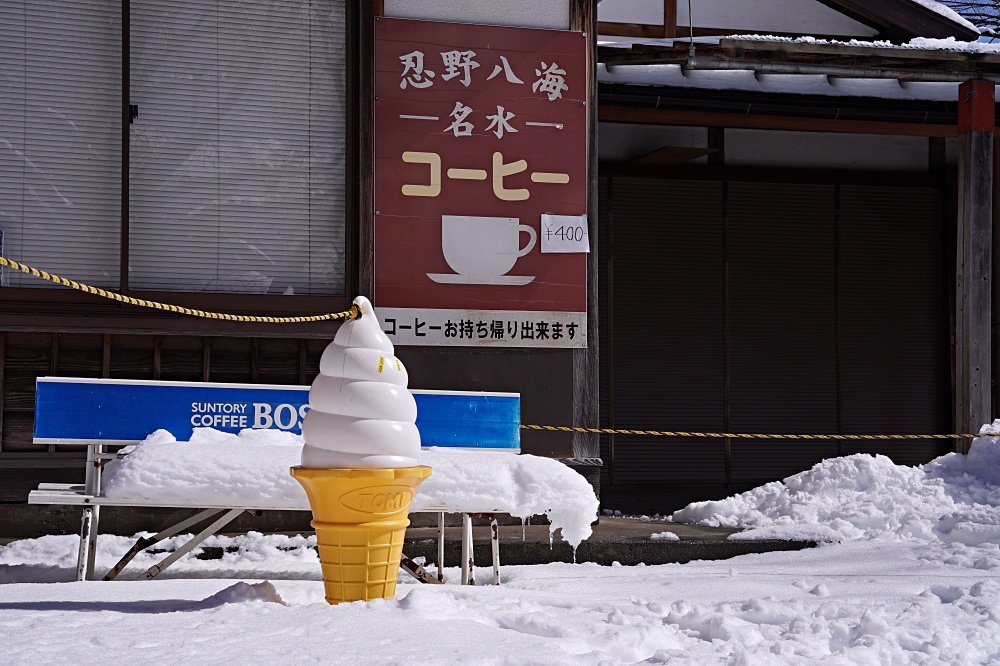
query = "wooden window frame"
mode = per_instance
[
  {"x": 642, "y": 30},
  {"x": 60, "y": 309}
]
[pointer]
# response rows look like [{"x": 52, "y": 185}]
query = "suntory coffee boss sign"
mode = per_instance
[{"x": 480, "y": 184}]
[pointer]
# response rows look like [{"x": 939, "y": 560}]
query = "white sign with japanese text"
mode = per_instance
[
  {"x": 565, "y": 233},
  {"x": 487, "y": 328}
]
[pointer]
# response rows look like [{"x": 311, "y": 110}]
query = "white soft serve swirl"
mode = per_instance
[{"x": 361, "y": 413}]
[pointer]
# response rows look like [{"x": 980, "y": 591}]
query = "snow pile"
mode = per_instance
[
  {"x": 521, "y": 485},
  {"x": 926, "y": 593},
  {"x": 872, "y": 602},
  {"x": 215, "y": 468},
  {"x": 52, "y": 558},
  {"x": 954, "y": 498},
  {"x": 664, "y": 536},
  {"x": 251, "y": 469}
]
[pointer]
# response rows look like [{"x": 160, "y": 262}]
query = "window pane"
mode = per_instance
[
  {"x": 60, "y": 139},
  {"x": 237, "y": 156}
]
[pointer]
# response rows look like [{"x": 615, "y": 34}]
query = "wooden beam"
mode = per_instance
[
  {"x": 54, "y": 356},
  {"x": 669, "y": 18},
  {"x": 910, "y": 16},
  {"x": 254, "y": 360},
  {"x": 636, "y": 30},
  {"x": 974, "y": 279},
  {"x": 3, "y": 346},
  {"x": 206, "y": 359},
  {"x": 106, "y": 356},
  {"x": 848, "y": 57},
  {"x": 669, "y": 155},
  {"x": 757, "y": 174},
  {"x": 642, "y": 30},
  {"x": 996, "y": 269},
  {"x": 717, "y": 143},
  {"x": 302, "y": 362},
  {"x": 586, "y": 378},
  {"x": 365, "y": 114},
  {"x": 641, "y": 115}
]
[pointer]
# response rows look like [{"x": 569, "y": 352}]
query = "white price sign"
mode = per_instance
[{"x": 565, "y": 233}]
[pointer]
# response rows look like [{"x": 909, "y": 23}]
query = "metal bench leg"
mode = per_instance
[
  {"x": 495, "y": 545},
  {"x": 92, "y": 549},
  {"x": 440, "y": 560},
  {"x": 416, "y": 570},
  {"x": 156, "y": 569},
  {"x": 143, "y": 544},
  {"x": 468, "y": 576},
  {"x": 84, "y": 558}
]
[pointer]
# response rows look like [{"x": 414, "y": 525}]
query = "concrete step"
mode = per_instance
[{"x": 626, "y": 541}]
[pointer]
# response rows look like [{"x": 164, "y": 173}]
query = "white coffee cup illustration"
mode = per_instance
[{"x": 483, "y": 249}]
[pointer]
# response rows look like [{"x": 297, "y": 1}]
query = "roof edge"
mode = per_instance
[{"x": 906, "y": 16}]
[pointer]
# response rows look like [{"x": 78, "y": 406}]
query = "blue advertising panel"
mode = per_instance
[{"x": 126, "y": 411}]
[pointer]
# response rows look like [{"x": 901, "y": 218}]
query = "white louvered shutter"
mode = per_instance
[
  {"x": 237, "y": 155},
  {"x": 60, "y": 139}
]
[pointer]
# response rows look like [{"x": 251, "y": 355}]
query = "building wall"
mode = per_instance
[
  {"x": 625, "y": 142},
  {"x": 70, "y": 334},
  {"x": 552, "y": 14},
  {"x": 768, "y": 300},
  {"x": 819, "y": 150},
  {"x": 806, "y": 17}
]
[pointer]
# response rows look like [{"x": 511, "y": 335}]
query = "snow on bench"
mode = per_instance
[{"x": 226, "y": 473}]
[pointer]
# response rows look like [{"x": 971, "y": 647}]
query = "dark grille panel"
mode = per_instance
[
  {"x": 668, "y": 308},
  {"x": 894, "y": 342},
  {"x": 837, "y": 322}
]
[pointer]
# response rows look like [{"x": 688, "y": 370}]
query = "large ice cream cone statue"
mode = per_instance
[
  {"x": 360, "y": 460},
  {"x": 360, "y": 518}
]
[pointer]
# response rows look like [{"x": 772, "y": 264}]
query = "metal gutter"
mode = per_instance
[{"x": 726, "y": 64}]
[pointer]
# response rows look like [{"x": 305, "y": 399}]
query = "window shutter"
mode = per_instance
[
  {"x": 237, "y": 154},
  {"x": 60, "y": 139},
  {"x": 669, "y": 371}
]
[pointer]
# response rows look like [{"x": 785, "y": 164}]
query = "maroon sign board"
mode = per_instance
[{"x": 480, "y": 184}]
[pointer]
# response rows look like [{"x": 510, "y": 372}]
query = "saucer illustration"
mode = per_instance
[{"x": 456, "y": 278}]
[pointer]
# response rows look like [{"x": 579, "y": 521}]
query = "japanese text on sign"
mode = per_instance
[
  {"x": 484, "y": 327},
  {"x": 479, "y": 131}
]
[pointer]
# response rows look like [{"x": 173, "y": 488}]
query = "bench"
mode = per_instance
[{"x": 106, "y": 415}]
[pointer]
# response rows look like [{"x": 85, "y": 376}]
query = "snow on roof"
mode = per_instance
[
  {"x": 915, "y": 44},
  {"x": 801, "y": 84},
  {"x": 946, "y": 12},
  {"x": 672, "y": 75}
]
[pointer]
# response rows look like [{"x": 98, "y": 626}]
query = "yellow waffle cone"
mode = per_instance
[{"x": 360, "y": 518}]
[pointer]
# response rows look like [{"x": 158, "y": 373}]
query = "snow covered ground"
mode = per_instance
[{"x": 910, "y": 575}]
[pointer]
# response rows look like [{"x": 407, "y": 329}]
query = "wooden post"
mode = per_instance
[
  {"x": 996, "y": 266},
  {"x": 364, "y": 125},
  {"x": 974, "y": 279},
  {"x": 586, "y": 398},
  {"x": 3, "y": 354}
]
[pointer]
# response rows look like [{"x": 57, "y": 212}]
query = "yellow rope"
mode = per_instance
[
  {"x": 352, "y": 313},
  {"x": 743, "y": 435}
]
